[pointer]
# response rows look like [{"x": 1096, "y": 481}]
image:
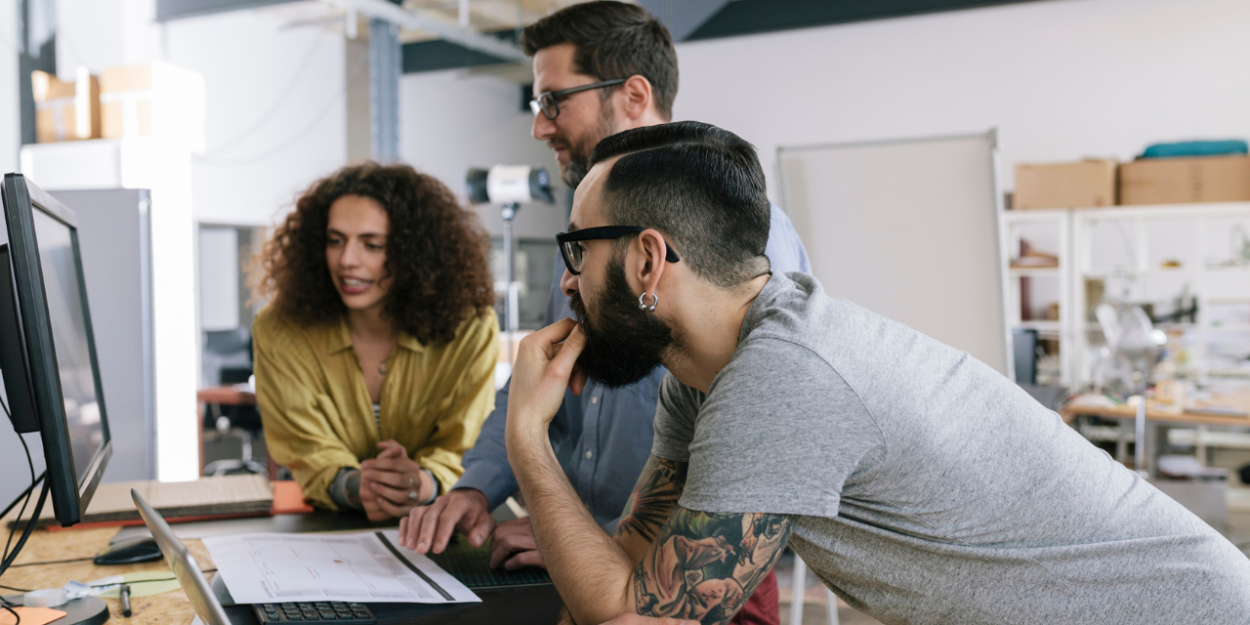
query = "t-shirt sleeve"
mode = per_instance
[
  {"x": 781, "y": 432},
  {"x": 675, "y": 414}
]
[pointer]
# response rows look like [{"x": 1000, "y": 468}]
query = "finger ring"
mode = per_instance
[
  {"x": 411, "y": 484},
  {"x": 412, "y": 495}
]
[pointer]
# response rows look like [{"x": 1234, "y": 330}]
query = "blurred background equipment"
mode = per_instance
[{"x": 510, "y": 186}]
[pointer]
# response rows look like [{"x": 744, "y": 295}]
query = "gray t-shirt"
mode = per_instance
[{"x": 928, "y": 487}]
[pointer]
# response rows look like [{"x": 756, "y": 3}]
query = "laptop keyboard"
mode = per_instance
[{"x": 296, "y": 613}]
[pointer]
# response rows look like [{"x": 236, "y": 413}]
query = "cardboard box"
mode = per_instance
[
  {"x": 66, "y": 111},
  {"x": 1185, "y": 180},
  {"x": 1083, "y": 184},
  {"x": 157, "y": 100}
]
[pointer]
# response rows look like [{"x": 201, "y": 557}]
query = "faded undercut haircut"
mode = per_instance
[
  {"x": 613, "y": 40},
  {"x": 701, "y": 186}
]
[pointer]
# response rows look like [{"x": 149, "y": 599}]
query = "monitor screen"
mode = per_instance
[
  {"x": 47, "y": 351},
  {"x": 61, "y": 282}
]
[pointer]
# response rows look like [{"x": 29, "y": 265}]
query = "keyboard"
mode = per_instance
[
  {"x": 297, "y": 613},
  {"x": 472, "y": 567}
]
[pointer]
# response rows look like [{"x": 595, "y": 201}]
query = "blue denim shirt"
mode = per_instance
[{"x": 602, "y": 437}]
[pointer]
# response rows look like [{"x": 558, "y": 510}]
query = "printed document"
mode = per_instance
[{"x": 369, "y": 567}]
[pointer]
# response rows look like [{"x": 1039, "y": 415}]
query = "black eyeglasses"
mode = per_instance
[
  {"x": 572, "y": 252},
  {"x": 549, "y": 103}
]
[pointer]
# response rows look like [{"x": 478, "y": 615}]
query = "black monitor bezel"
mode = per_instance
[{"x": 69, "y": 497}]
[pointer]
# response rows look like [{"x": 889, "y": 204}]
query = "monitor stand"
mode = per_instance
[{"x": 84, "y": 611}]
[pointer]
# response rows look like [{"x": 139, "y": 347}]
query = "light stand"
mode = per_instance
[
  {"x": 509, "y": 186},
  {"x": 511, "y": 314}
]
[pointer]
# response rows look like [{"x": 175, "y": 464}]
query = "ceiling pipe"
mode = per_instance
[{"x": 413, "y": 20}]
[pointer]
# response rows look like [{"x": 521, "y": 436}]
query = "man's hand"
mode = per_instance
[
  {"x": 515, "y": 546},
  {"x": 386, "y": 481},
  {"x": 429, "y": 528},
  {"x": 545, "y": 366}
]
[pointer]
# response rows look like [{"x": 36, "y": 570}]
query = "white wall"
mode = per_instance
[
  {"x": 10, "y": 115},
  {"x": 1061, "y": 79},
  {"x": 276, "y": 100},
  {"x": 450, "y": 121}
]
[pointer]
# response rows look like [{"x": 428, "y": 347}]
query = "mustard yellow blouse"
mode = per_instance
[{"x": 318, "y": 416}]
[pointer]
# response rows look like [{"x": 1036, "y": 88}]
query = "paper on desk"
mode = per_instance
[{"x": 366, "y": 566}]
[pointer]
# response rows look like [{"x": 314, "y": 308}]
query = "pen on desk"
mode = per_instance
[{"x": 125, "y": 595}]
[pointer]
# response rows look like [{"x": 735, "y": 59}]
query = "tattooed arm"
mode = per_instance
[
  {"x": 649, "y": 506},
  {"x": 703, "y": 566}
]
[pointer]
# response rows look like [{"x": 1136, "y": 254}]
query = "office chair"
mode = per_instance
[{"x": 228, "y": 356}]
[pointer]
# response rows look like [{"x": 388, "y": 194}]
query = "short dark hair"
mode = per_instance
[
  {"x": 614, "y": 40},
  {"x": 701, "y": 186}
]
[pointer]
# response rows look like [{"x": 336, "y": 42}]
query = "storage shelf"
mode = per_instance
[
  {"x": 1033, "y": 272},
  {"x": 1042, "y": 326}
]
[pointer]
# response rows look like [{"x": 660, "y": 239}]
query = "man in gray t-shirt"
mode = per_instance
[
  {"x": 928, "y": 488},
  {"x": 919, "y": 484}
]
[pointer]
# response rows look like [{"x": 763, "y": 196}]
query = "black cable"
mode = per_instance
[
  {"x": 14, "y": 566},
  {"x": 14, "y": 589},
  {"x": 30, "y": 491},
  {"x": 20, "y": 496},
  {"x": 30, "y": 526}
]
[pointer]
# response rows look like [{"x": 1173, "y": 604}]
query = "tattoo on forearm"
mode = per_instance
[
  {"x": 654, "y": 497},
  {"x": 703, "y": 566}
]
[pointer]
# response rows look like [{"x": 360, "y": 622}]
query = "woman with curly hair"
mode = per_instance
[{"x": 375, "y": 358}]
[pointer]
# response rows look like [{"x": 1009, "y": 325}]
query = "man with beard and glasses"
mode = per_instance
[
  {"x": 600, "y": 68},
  {"x": 917, "y": 483}
]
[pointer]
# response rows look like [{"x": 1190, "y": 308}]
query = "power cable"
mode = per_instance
[{"x": 29, "y": 491}]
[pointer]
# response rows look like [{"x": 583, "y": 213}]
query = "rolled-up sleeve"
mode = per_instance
[
  {"x": 295, "y": 414},
  {"x": 460, "y": 421}
]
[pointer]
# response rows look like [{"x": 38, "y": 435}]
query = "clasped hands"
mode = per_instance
[{"x": 387, "y": 483}]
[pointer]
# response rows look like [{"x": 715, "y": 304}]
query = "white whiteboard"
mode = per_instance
[{"x": 907, "y": 229}]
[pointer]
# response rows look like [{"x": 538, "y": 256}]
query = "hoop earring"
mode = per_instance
[{"x": 655, "y": 299}]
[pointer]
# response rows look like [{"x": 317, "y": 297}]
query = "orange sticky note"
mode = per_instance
[{"x": 30, "y": 616}]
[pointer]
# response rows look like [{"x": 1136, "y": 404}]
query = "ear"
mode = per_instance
[
  {"x": 650, "y": 263},
  {"x": 636, "y": 92}
]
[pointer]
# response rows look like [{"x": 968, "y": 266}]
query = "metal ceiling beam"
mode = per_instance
[
  {"x": 749, "y": 17},
  {"x": 407, "y": 18},
  {"x": 170, "y": 10},
  {"x": 683, "y": 17}
]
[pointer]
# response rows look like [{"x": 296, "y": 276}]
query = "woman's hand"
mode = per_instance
[{"x": 388, "y": 482}]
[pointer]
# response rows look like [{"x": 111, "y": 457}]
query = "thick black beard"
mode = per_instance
[{"x": 624, "y": 344}]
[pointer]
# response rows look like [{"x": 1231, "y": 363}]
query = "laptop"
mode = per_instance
[{"x": 186, "y": 569}]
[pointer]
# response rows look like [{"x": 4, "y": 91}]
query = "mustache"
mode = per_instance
[{"x": 579, "y": 310}]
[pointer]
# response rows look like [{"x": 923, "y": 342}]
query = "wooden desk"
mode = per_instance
[
  {"x": 500, "y": 606},
  {"x": 1071, "y": 412},
  {"x": 1125, "y": 414},
  {"x": 226, "y": 396},
  {"x": 43, "y": 546}
]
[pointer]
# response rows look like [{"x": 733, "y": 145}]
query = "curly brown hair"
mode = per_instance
[{"x": 435, "y": 253}]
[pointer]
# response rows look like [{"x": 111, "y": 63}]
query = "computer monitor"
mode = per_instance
[{"x": 47, "y": 348}]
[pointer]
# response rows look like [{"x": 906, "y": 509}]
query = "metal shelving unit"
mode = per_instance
[{"x": 1143, "y": 254}]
